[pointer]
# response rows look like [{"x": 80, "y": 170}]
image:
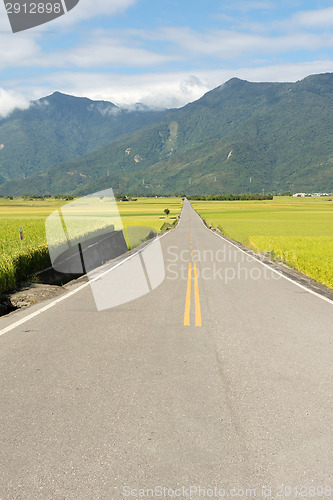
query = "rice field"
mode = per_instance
[
  {"x": 16, "y": 263},
  {"x": 297, "y": 231}
]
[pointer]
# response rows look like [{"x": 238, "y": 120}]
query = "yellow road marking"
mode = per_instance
[
  {"x": 187, "y": 313},
  {"x": 197, "y": 297},
  {"x": 187, "y": 321}
]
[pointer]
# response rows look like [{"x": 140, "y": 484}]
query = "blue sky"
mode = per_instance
[{"x": 164, "y": 53}]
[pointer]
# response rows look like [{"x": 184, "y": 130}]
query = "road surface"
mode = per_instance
[{"x": 216, "y": 384}]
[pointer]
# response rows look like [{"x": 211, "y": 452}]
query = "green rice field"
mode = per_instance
[
  {"x": 16, "y": 263},
  {"x": 297, "y": 231}
]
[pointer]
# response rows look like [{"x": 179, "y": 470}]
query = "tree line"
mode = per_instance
[{"x": 230, "y": 197}]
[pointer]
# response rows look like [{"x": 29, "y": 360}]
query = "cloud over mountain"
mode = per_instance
[{"x": 10, "y": 100}]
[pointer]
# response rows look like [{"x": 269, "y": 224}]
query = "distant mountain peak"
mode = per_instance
[
  {"x": 236, "y": 80},
  {"x": 233, "y": 81},
  {"x": 57, "y": 95},
  {"x": 73, "y": 104}
]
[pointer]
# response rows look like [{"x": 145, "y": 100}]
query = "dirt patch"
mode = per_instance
[
  {"x": 42, "y": 285},
  {"x": 29, "y": 294}
]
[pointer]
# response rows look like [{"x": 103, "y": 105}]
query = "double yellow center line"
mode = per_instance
[{"x": 187, "y": 313}]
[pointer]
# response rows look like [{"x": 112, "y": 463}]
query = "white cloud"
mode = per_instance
[
  {"x": 231, "y": 44},
  {"x": 102, "y": 48},
  {"x": 11, "y": 100},
  {"x": 137, "y": 49},
  {"x": 18, "y": 50},
  {"x": 158, "y": 90},
  {"x": 157, "y": 46},
  {"x": 4, "y": 22},
  {"x": 105, "y": 109},
  {"x": 315, "y": 18}
]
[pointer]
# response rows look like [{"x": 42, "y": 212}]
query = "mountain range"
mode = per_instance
[{"x": 240, "y": 137}]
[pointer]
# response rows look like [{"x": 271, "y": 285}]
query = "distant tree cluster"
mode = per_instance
[
  {"x": 35, "y": 196},
  {"x": 64, "y": 197},
  {"x": 145, "y": 195},
  {"x": 231, "y": 197}
]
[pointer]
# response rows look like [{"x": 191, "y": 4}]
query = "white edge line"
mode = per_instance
[
  {"x": 322, "y": 297},
  {"x": 78, "y": 289}
]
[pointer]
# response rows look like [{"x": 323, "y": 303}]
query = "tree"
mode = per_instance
[{"x": 166, "y": 211}]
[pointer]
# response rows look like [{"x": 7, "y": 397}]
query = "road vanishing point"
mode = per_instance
[{"x": 216, "y": 384}]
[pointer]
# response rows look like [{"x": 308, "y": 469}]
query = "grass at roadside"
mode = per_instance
[
  {"x": 298, "y": 231},
  {"x": 16, "y": 264}
]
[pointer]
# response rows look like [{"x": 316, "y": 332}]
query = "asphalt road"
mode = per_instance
[{"x": 221, "y": 380}]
